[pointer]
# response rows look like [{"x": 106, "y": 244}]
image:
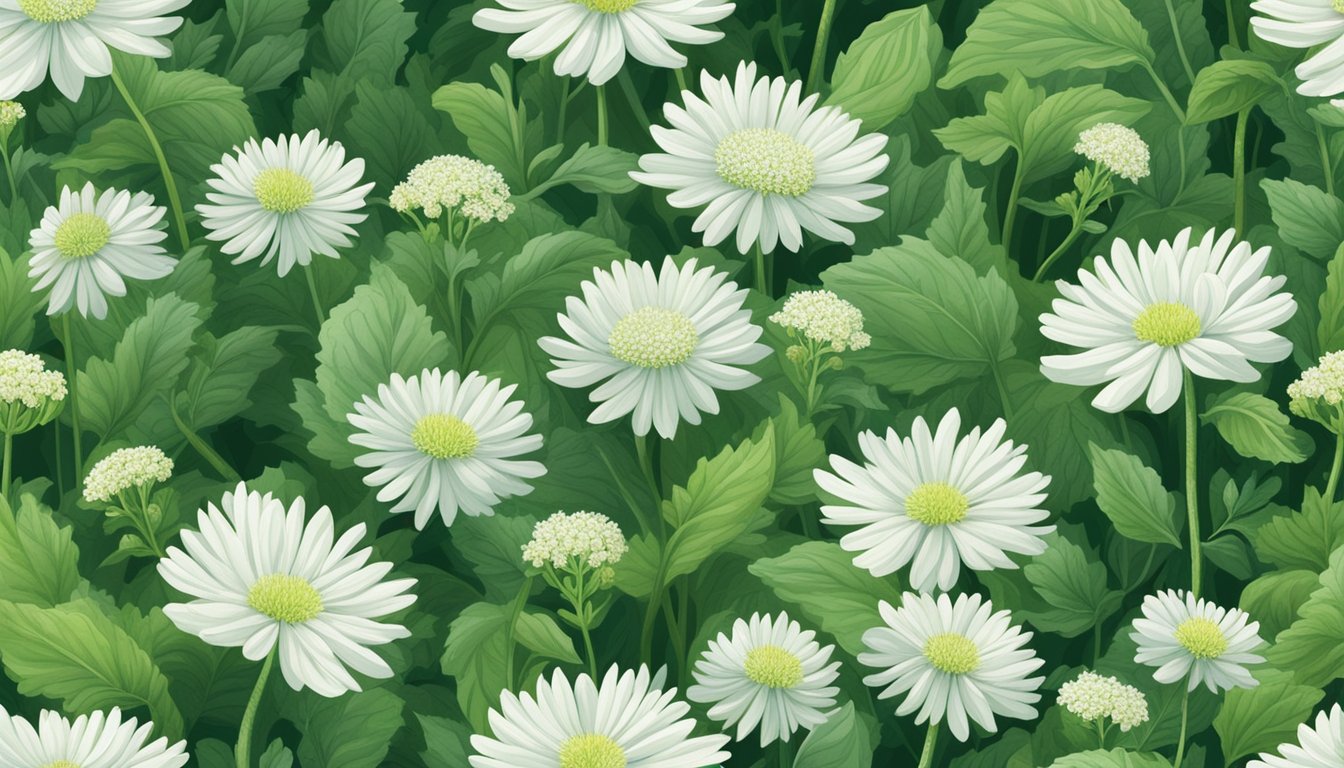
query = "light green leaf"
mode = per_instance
[
  {"x": 1255, "y": 427},
  {"x": 1261, "y": 718},
  {"x": 798, "y": 450},
  {"x": 594, "y": 170},
  {"x": 494, "y": 547},
  {"x": 1115, "y": 758},
  {"x": 1227, "y": 87},
  {"x": 1308, "y": 218},
  {"x": 840, "y": 742},
  {"x": 548, "y": 268},
  {"x": 1073, "y": 585},
  {"x": 18, "y": 303},
  {"x": 1305, "y": 539},
  {"x": 38, "y": 560},
  {"x": 446, "y": 740},
  {"x": 878, "y": 77},
  {"x": 487, "y": 120},
  {"x": 223, "y": 374},
  {"x": 252, "y": 20},
  {"x": 960, "y": 229},
  {"x": 475, "y": 655},
  {"x": 352, "y": 731},
  {"x": 538, "y": 633},
  {"x": 387, "y": 129},
  {"x": 1330, "y": 330},
  {"x": 366, "y": 38},
  {"x": 266, "y": 65},
  {"x": 1274, "y": 598},
  {"x": 1132, "y": 496},
  {"x": 1313, "y": 647}
]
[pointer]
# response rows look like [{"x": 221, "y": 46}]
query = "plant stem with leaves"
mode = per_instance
[
  {"x": 72, "y": 377},
  {"x": 819, "y": 49},
  {"x": 930, "y": 746},
  {"x": 242, "y": 753},
  {"x": 174, "y": 200},
  {"x": 1192, "y": 480}
]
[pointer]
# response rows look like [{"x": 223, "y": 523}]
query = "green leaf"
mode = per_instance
[
  {"x": 446, "y": 740},
  {"x": 252, "y": 20},
  {"x": 548, "y": 267},
  {"x": 1261, "y": 718},
  {"x": 1313, "y": 647},
  {"x": 1255, "y": 428},
  {"x": 1133, "y": 498},
  {"x": 76, "y": 654},
  {"x": 487, "y": 120},
  {"x": 475, "y": 655},
  {"x": 932, "y": 319},
  {"x": 538, "y": 633},
  {"x": 18, "y": 303},
  {"x": 798, "y": 450},
  {"x": 1073, "y": 585},
  {"x": 1037, "y": 37},
  {"x": 38, "y": 560},
  {"x": 877, "y": 79},
  {"x": 1303, "y": 540},
  {"x": 223, "y": 374},
  {"x": 840, "y": 742},
  {"x": 821, "y": 580},
  {"x": 268, "y": 64},
  {"x": 1308, "y": 218},
  {"x": 1227, "y": 87},
  {"x": 1115, "y": 758},
  {"x": 366, "y": 38},
  {"x": 594, "y": 170},
  {"x": 387, "y": 129},
  {"x": 1274, "y": 599},
  {"x": 1330, "y": 330},
  {"x": 352, "y": 731},
  {"x": 960, "y": 229},
  {"x": 494, "y": 547}
]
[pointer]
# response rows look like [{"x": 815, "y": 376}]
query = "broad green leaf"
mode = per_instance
[
  {"x": 492, "y": 127},
  {"x": 446, "y": 740},
  {"x": 252, "y": 20},
  {"x": 223, "y": 374},
  {"x": 932, "y": 319},
  {"x": 538, "y": 633},
  {"x": 196, "y": 44},
  {"x": 592, "y": 169},
  {"x": 352, "y": 731},
  {"x": 877, "y": 79},
  {"x": 1255, "y": 427},
  {"x": 1304, "y": 539},
  {"x": 1261, "y": 718},
  {"x": 277, "y": 755},
  {"x": 494, "y": 547},
  {"x": 1308, "y": 218},
  {"x": 1073, "y": 585},
  {"x": 1115, "y": 758},
  {"x": 960, "y": 229},
  {"x": 798, "y": 450},
  {"x": 38, "y": 560},
  {"x": 1132, "y": 496},
  {"x": 1228, "y": 87},
  {"x": 840, "y": 742},
  {"x": 831, "y": 592},
  {"x": 1057, "y": 423},
  {"x": 18, "y": 303},
  {"x": 366, "y": 38},
  {"x": 548, "y": 268},
  {"x": 266, "y": 65},
  {"x": 1313, "y": 647},
  {"x": 1037, "y": 37},
  {"x": 1274, "y": 598},
  {"x": 475, "y": 656},
  {"x": 388, "y": 130},
  {"x": 1330, "y": 330}
]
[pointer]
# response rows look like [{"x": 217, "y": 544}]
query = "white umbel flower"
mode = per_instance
[
  {"x": 285, "y": 200},
  {"x": 126, "y": 468},
  {"x": 1318, "y": 747},
  {"x": 765, "y": 162},
  {"x": 262, "y": 576},
  {"x": 441, "y": 441},
  {"x": 1095, "y": 697},
  {"x": 88, "y": 244},
  {"x": 73, "y": 38},
  {"x": 1116, "y": 148},
  {"x": 627, "y": 722},
  {"x": 953, "y": 661},
  {"x": 661, "y": 343},
  {"x": 1193, "y": 639},
  {"x": 454, "y": 182},
  {"x": 11, "y": 112},
  {"x": 1143, "y": 320},
  {"x": 595, "y": 35},
  {"x": 937, "y": 501},
  {"x": 1318, "y": 394},
  {"x": 770, "y": 673},
  {"x": 588, "y": 537},
  {"x": 1307, "y": 24},
  {"x": 823, "y": 317},
  {"x": 24, "y": 379},
  {"x": 99, "y": 740}
]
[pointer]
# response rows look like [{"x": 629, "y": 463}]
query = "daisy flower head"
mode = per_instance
[
  {"x": 1094, "y": 697},
  {"x": 661, "y": 343},
  {"x": 73, "y": 39},
  {"x": 765, "y": 162},
  {"x": 952, "y": 661},
  {"x": 284, "y": 200},
  {"x": 447, "y": 442},
  {"x": 99, "y": 740},
  {"x": 1321, "y": 746},
  {"x": 628, "y": 721},
  {"x": 30, "y": 395},
  {"x": 1193, "y": 639},
  {"x": 937, "y": 501},
  {"x": 89, "y": 243},
  {"x": 1307, "y": 24},
  {"x": 595, "y": 35},
  {"x": 124, "y": 469},
  {"x": 1145, "y": 319},
  {"x": 1117, "y": 148},
  {"x": 268, "y": 579},
  {"x": 454, "y": 182},
  {"x": 1318, "y": 394},
  {"x": 769, "y": 672}
]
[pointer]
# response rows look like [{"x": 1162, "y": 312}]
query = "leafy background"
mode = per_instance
[{"x": 226, "y": 369}]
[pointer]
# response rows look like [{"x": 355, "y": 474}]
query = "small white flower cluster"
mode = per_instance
[
  {"x": 1324, "y": 381},
  {"x": 1092, "y": 697},
  {"x": 126, "y": 468},
  {"x": 823, "y": 316},
  {"x": 11, "y": 112},
  {"x": 1116, "y": 147},
  {"x": 589, "y": 536},
  {"x": 24, "y": 379},
  {"x": 453, "y": 181}
]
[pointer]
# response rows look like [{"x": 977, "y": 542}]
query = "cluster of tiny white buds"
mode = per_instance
[
  {"x": 1093, "y": 697},
  {"x": 822, "y": 316},
  {"x": 1117, "y": 148},
  {"x": 24, "y": 379},
  {"x": 11, "y": 112},
  {"x": 1323, "y": 381},
  {"x": 475, "y": 189},
  {"x": 591, "y": 537},
  {"x": 126, "y": 468}
]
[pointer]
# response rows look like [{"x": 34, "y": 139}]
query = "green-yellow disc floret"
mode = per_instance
[
  {"x": 592, "y": 750},
  {"x": 937, "y": 504},
  {"x": 653, "y": 337},
  {"x": 286, "y": 598},
  {"x": 280, "y": 190},
  {"x": 1167, "y": 324},
  {"x": 952, "y": 653},
  {"x": 773, "y": 667},
  {"x": 444, "y": 436},
  {"x": 608, "y": 6},
  {"x": 1202, "y": 638},
  {"x": 82, "y": 235},
  {"x": 767, "y": 161},
  {"x": 55, "y": 11}
]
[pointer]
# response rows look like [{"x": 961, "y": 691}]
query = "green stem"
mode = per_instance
[
  {"x": 1232, "y": 37},
  {"x": 72, "y": 378},
  {"x": 632, "y": 97},
  {"x": 243, "y": 752},
  {"x": 761, "y": 283},
  {"x": 9, "y": 172},
  {"x": 1327, "y": 166},
  {"x": 777, "y": 36},
  {"x": 1180, "y": 44},
  {"x": 1333, "y": 482},
  {"x": 1101, "y": 734},
  {"x": 1185, "y": 721},
  {"x": 512, "y": 627},
  {"x": 1096, "y": 643},
  {"x": 602, "y": 115},
  {"x": 1239, "y": 174},
  {"x": 1003, "y": 391},
  {"x": 819, "y": 50},
  {"x": 564, "y": 107},
  {"x": 1050, "y": 260},
  {"x": 1192, "y": 481},
  {"x": 1010, "y": 212},
  {"x": 812, "y": 383},
  {"x": 1166, "y": 92},
  {"x": 203, "y": 448},
  {"x": 785, "y": 754},
  {"x": 681, "y": 79},
  {"x": 930, "y": 743},
  {"x": 8, "y": 466},
  {"x": 650, "y": 478},
  {"x": 308, "y": 273},
  {"x": 174, "y": 200}
]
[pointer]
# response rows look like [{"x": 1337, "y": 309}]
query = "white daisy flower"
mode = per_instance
[
  {"x": 627, "y": 722},
  {"x": 937, "y": 502},
  {"x": 440, "y": 441},
  {"x": 1319, "y": 747},
  {"x": 99, "y": 740},
  {"x": 262, "y": 576},
  {"x": 1207, "y": 308},
  {"x": 72, "y": 38},
  {"x": 1307, "y": 24},
  {"x": 288, "y": 198},
  {"x": 769, "y": 673},
  {"x": 953, "y": 660},
  {"x": 596, "y": 34},
  {"x": 1185, "y": 637},
  {"x": 87, "y": 244},
  {"x": 661, "y": 343},
  {"x": 765, "y": 162}
]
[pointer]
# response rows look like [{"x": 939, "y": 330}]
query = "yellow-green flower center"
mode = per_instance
[
  {"x": 767, "y": 161},
  {"x": 52, "y": 11},
  {"x": 286, "y": 598},
  {"x": 936, "y": 504},
  {"x": 608, "y": 6},
  {"x": 281, "y": 190},
  {"x": 1167, "y": 324},
  {"x": 773, "y": 667},
  {"x": 61, "y": 764},
  {"x": 1338, "y": 5},
  {"x": 591, "y": 750},
  {"x": 444, "y": 436},
  {"x": 1202, "y": 638},
  {"x": 952, "y": 653},
  {"x": 82, "y": 235},
  {"x": 653, "y": 337}
]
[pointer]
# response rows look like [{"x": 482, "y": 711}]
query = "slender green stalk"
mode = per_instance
[
  {"x": 72, "y": 378},
  {"x": 8, "y": 466},
  {"x": 1239, "y": 174},
  {"x": 1333, "y": 483},
  {"x": 1004, "y": 400},
  {"x": 1101, "y": 734},
  {"x": 1192, "y": 480},
  {"x": 762, "y": 284},
  {"x": 1185, "y": 721},
  {"x": 1074, "y": 233},
  {"x": 632, "y": 98},
  {"x": 309, "y": 273},
  {"x": 602, "y": 115},
  {"x": 777, "y": 37},
  {"x": 1327, "y": 165},
  {"x": 819, "y": 50},
  {"x": 650, "y": 479},
  {"x": 785, "y": 754},
  {"x": 242, "y": 753},
  {"x": 1010, "y": 212},
  {"x": 930, "y": 744},
  {"x": 518, "y": 603},
  {"x": 60, "y": 465},
  {"x": 9, "y": 172},
  {"x": 1096, "y": 643},
  {"x": 565, "y": 98},
  {"x": 1180, "y": 43},
  {"x": 1232, "y": 26},
  {"x": 174, "y": 200},
  {"x": 208, "y": 453},
  {"x": 1166, "y": 92},
  {"x": 680, "y": 72}
]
